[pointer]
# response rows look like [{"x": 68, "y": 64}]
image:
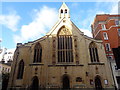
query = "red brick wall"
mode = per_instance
[{"x": 111, "y": 30}]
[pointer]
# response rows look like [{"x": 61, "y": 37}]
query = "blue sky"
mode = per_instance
[{"x": 28, "y": 21}]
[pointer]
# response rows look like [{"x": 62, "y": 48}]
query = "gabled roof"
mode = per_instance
[{"x": 64, "y": 6}]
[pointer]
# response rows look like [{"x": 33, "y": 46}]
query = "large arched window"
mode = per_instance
[
  {"x": 20, "y": 70},
  {"x": 65, "y": 48},
  {"x": 37, "y": 53},
  {"x": 93, "y": 52}
]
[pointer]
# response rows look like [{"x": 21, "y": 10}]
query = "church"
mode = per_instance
[{"x": 63, "y": 58}]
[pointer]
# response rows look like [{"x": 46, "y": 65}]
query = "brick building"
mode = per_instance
[{"x": 106, "y": 27}]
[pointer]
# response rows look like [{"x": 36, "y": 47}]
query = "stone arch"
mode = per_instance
[
  {"x": 20, "y": 70},
  {"x": 35, "y": 83},
  {"x": 93, "y": 52},
  {"x": 37, "y": 53},
  {"x": 64, "y": 31},
  {"x": 65, "y": 45},
  {"x": 65, "y": 81},
  {"x": 92, "y": 44}
]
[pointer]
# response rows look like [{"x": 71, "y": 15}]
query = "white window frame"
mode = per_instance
[
  {"x": 105, "y": 36},
  {"x": 103, "y": 26},
  {"x": 107, "y": 48}
]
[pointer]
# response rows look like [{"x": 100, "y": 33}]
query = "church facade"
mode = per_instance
[{"x": 63, "y": 58}]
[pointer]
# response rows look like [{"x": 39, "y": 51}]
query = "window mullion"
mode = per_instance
[
  {"x": 36, "y": 56},
  {"x": 20, "y": 70},
  {"x": 93, "y": 54},
  {"x": 62, "y": 47},
  {"x": 96, "y": 55},
  {"x": 65, "y": 48},
  {"x": 90, "y": 49},
  {"x": 70, "y": 48}
]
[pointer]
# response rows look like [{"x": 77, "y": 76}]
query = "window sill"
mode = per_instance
[
  {"x": 96, "y": 63},
  {"x": 19, "y": 79},
  {"x": 103, "y": 29},
  {"x": 35, "y": 64},
  {"x": 118, "y": 70},
  {"x": 117, "y": 25},
  {"x": 106, "y": 39},
  {"x": 65, "y": 64},
  {"x": 108, "y": 50}
]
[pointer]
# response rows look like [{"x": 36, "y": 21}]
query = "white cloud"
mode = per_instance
[
  {"x": 44, "y": 19},
  {"x": 114, "y": 8},
  {"x": 100, "y": 12},
  {"x": 10, "y": 20},
  {"x": 108, "y": 9},
  {"x": 0, "y": 39},
  {"x": 86, "y": 32},
  {"x": 74, "y": 4}
]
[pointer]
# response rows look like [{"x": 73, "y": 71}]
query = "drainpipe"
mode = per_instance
[{"x": 112, "y": 74}]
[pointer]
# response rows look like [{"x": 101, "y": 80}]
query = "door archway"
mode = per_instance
[
  {"x": 66, "y": 82},
  {"x": 98, "y": 84},
  {"x": 35, "y": 83}
]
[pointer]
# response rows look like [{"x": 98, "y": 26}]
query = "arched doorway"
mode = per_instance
[
  {"x": 98, "y": 84},
  {"x": 66, "y": 82},
  {"x": 35, "y": 83}
]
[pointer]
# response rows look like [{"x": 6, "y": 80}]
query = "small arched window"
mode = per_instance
[
  {"x": 61, "y": 11},
  {"x": 20, "y": 70},
  {"x": 37, "y": 53},
  {"x": 65, "y": 10},
  {"x": 93, "y": 52}
]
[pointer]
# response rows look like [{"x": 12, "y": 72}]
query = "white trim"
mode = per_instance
[
  {"x": 109, "y": 54},
  {"x": 104, "y": 30},
  {"x": 94, "y": 29}
]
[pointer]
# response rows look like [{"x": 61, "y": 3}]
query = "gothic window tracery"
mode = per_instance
[
  {"x": 65, "y": 47},
  {"x": 93, "y": 52},
  {"x": 37, "y": 53}
]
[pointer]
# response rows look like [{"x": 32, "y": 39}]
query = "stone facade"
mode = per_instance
[{"x": 48, "y": 72}]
